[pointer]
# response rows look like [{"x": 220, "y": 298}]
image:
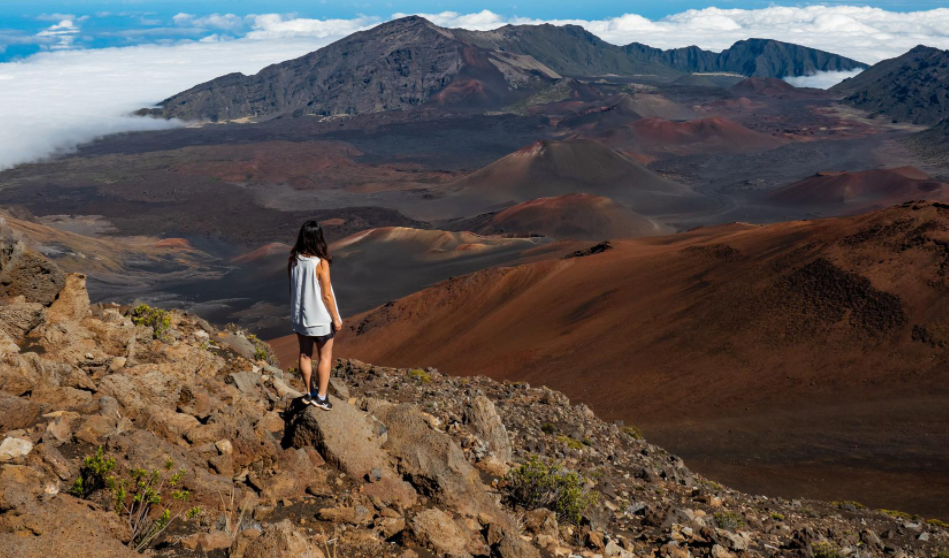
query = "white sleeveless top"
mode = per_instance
[{"x": 308, "y": 313}]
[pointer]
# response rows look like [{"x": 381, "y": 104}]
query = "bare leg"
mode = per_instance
[
  {"x": 325, "y": 364},
  {"x": 306, "y": 359}
]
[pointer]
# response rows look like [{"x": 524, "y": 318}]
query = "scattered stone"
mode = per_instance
[
  {"x": 247, "y": 382},
  {"x": 16, "y": 412},
  {"x": 14, "y": 448},
  {"x": 436, "y": 530},
  {"x": 483, "y": 420}
]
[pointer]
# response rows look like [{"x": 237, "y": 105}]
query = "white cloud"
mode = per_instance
[
  {"x": 485, "y": 20},
  {"x": 55, "y": 100},
  {"x": 821, "y": 80},
  {"x": 182, "y": 18},
  {"x": 55, "y": 17},
  {"x": 276, "y": 26},
  {"x": 227, "y": 22},
  {"x": 863, "y": 33},
  {"x": 60, "y": 35}
]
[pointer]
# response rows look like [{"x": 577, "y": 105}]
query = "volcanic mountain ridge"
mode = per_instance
[
  {"x": 410, "y": 62},
  {"x": 764, "y": 58}
]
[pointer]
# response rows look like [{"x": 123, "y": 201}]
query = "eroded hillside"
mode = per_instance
[{"x": 102, "y": 403}]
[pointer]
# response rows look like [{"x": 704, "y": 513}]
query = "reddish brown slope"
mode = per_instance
[
  {"x": 572, "y": 216},
  {"x": 706, "y": 135},
  {"x": 555, "y": 168},
  {"x": 816, "y": 344},
  {"x": 852, "y": 192}
]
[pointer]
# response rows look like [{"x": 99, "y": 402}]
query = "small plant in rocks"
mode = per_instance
[
  {"x": 729, "y": 520},
  {"x": 632, "y": 432},
  {"x": 94, "y": 474},
  {"x": 156, "y": 318},
  {"x": 420, "y": 376},
  {"x": 825, "y": 549},
  {"x": 149, "y": 501},
  {"x": 537, "y": 484}
]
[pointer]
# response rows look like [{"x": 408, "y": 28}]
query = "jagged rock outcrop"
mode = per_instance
[
  {"x": 394, "y": 470},
  {"x": 26, "y": 273}
]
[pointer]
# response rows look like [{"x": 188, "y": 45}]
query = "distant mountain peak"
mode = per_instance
[
  {"x": 411, "y": 62},
  {"x": 913, "y": 87}
]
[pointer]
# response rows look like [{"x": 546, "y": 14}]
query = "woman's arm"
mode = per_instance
[{"x": 323, "y": 275}]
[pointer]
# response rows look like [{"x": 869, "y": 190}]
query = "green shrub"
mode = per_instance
[
  {"x": 857, "y": 505},
  {"x": 548, "y": 428},
  {"x": 825, "y": 549},
  {"x": 898, "y": 514},
  {"x": 570, "y": 442},
  {"x": 148, "y": 501},
  {"x": 93, "y": 474},
  {"x": 263, "y": 351},
  {"x": 632, "y": 432},
  {"x": 711, "y": 485},
  {"x": 937, "y": 523},
  {"x": 729, "y": 520},
  {"x": 777, "y": 516},
  {"x": 420, "y": 375},
  {"x": 156, "y": 318},
  {"x": 536, "y": 484}
]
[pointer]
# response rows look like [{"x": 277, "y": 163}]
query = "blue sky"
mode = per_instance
[{"x": 25, "y": 24}]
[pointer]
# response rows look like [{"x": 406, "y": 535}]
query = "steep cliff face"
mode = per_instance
[
  {"x": 913, "y": 87},
  {"x": 751, "y": 57}
]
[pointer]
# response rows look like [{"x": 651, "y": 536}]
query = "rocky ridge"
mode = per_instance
[
  {"x": 409, "y": 463},
  {"x": 913, "y": 87},
  {"x": 410, "y": 63},
  {"x": 751, "y": 57}
]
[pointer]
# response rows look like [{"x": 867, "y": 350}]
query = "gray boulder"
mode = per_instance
[{"x": 483, "y": 420}]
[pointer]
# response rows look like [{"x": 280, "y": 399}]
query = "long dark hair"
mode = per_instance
[{"x": 310, "y": 242}]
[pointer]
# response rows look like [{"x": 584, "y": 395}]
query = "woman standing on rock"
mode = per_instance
[{"x": 313, "y": 309}]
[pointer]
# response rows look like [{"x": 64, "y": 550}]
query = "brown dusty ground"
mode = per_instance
[{"x": 776, "y": 333}]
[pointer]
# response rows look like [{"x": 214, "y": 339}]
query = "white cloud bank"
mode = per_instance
[
  {"x": 53, "y": 101},
  {"x": 821, "y": 80}
]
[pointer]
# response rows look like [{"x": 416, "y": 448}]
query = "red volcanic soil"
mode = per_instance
[
  {"x": 764, "y": 327},
  {"x": 622, "y": 109},
  {"x": 572, "y": 216},
  {"x": 706, "y": 135},
  {"x": 555, "y": 168},
  {"x": 176, "y": 243},
  {"x": 303, "y": 165},
  {"x": 414, "y": 259},
  {"x": 262, "y": 253},
  {"x": 852, "y": 192}
]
